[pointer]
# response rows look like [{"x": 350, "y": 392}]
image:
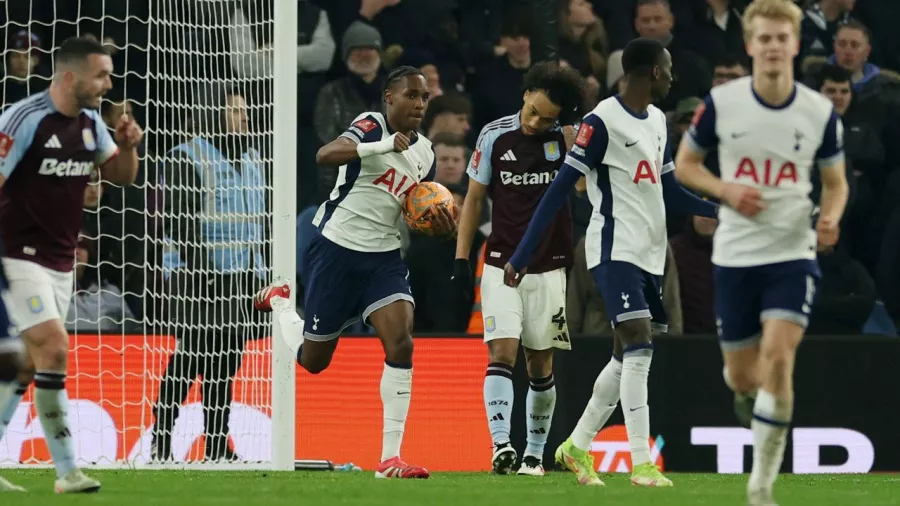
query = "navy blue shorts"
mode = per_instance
[
  {"x": 629, "y": 293},
  {"x": 748, "y": 296},
  {"x": 344, "y": 285}
]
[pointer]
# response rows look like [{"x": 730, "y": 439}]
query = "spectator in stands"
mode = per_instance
[
  {"x": 691, "y": 74},
  {"x": 845, "y": 296},
  {"x": 888, "y": 269},
  {"x": 583, "y": 44},
  {"x": 450, "y": 158},
  {"x": 450, "y": 113},
  {"x": 820, "y": 23},
  {"x": 26, "y": 72},
  {"x": 216, "y": 194},
  {"x": 494, "y": 78},
  {"x": 693, "y": 253},
  {"x": 97, "y": 305},
  {"x": 728, "y": 67},
  {"x": 439, "y": 306},
  {"x": 677, "y": 223},
  {"x": 720, "y": 32},
  {"x": 341, "y": 101},
  {"x": 584, "y": 307},
  {"x": 851, "y": 51}
]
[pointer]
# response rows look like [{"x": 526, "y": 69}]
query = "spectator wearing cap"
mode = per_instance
[
  {"x": 341, "y": 101},
  {"x": 26, "y": 72},
  {"x": 439, "y": 306},
  {"x": 692, "y": 76}
]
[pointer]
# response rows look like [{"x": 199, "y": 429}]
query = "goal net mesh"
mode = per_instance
[{"x": 161, "y": 318}]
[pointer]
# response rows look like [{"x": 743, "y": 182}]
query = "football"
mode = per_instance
[{"x": 422, "y": 204}]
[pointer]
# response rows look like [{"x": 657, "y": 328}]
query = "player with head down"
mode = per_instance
[
  {"x": 515, "y": 160},
  {"x": 622, "y": 149},
  {"x": 354, "y": 266},
  {"x": 769, "y": 130},
  {"x": 50, "y": 143}
]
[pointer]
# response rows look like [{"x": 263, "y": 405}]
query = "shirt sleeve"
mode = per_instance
[
  {"x": 831, "y": 150},
  {"x": 668, "y": 163},
  {"x": 590, "y": 145},
  {"x": 17, "y": 128},
  {"x": 701, "y": 136},
  {"x": 365, "y": 128},
  {"x": 479, "y": 167},
  {"x": 106, "y": 145}
]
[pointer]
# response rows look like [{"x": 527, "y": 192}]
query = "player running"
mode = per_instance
[
  {"x": 354, "y": 266},
  {"x": 50, "y": 144},
  {"x": 622, "y": 149},
  {"x": 768, "y": 130},
  {"x": 514, "y": 162},
  {"x": 11, "y": 349}
]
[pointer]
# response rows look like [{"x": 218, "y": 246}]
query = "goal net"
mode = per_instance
[{"x": 169, "y": 363}]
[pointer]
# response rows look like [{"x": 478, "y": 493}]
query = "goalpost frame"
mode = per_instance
[{"x": 284, "y": 226}]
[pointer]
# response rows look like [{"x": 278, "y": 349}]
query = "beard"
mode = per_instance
[{"x": 86, "y": 100}]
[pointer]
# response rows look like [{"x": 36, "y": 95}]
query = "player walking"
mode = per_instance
[
  {"x": 622, "y": 149},
  {"x": 768, "y": 130},
  {"x": 514, "y": 162},
  {"x": 49, "y": 145},
  {"x": 354, "y": 267}
]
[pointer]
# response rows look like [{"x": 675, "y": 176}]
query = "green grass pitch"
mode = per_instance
[{"x": 190, "y": 488}]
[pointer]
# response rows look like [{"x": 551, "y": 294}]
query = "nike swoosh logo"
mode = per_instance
[
  {"x": 406, "y": 392},
  {"x": 635, "y": 409},
  {"x": 738, "y": 135},
  {"x": 628, "y": 145}
]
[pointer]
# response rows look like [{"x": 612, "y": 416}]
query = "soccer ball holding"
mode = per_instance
[{"x": 431, "y": 209}]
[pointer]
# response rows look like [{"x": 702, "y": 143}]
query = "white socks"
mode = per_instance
[
  {"x": 396, "y": 387},
  {"x": 633, "y": 391},
  {"x": 771, "y": 419},
  {"x": 601, "y": 405},
  {"x": 539, "y": 404},
  {"x": 8, "y": 408},
  {"x": 498, "y": 400},
  {"x": 290, "y": 321},
  {"x": 52, "y": 405}
]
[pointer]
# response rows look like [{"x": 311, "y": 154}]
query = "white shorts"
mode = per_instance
[
  {"x": 535, "y": 312},
  {"x": 36, "y": 294}
]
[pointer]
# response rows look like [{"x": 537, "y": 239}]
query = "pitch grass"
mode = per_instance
[{"x": 176, "y": 488}]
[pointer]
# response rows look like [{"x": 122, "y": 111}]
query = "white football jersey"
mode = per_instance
[
  {"x": 772, "y": 149},
  {"x": 363, "y": 210},
  {"x": 624, "y": 155}
]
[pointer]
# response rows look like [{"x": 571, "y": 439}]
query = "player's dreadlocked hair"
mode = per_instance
[
  {"x": 640, "y": 56},
  {"x": 564, "y": 87},
  {"x": 399, "y": 73}
]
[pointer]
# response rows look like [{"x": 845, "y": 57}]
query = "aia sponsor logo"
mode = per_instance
[{"x": 612, "y": 454}]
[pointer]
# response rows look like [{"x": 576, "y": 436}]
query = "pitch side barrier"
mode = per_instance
[{"x": 846, "y": 417}]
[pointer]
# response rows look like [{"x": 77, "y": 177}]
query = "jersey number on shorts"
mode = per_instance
[{"x": 559, "y": 321}]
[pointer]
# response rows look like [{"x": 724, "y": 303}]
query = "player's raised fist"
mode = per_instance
[
  {"x": 828, "y": 232},
  {"x": 128, "y": 134},
  {"x": 401, "y": 142},
  {"x": 743, "y": 199},
  {"x": 511, "y": 277}
]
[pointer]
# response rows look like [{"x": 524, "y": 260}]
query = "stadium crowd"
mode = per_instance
[{"x": 474, "y": 54}]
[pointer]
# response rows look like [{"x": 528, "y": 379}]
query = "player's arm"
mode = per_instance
[
  {"x": 118, "y": 159},
  {"x": 690, "y": 171},
  {"x": 833, "y": 201},
  {"x": 16, "y": 135},
  {"x": 590, "y": 146},
  {"x": 361, "y": 139},
  {"x": 479, "y": 172},
  {"x": 678, "y": 197}
]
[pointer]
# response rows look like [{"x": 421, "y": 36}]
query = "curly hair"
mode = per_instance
[{"x": 564, "y": 86}]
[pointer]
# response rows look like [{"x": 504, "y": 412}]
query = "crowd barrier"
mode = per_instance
[{"x": 846, "y": 417}]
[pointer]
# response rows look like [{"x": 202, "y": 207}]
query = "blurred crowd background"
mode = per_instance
[{"x": 474, "y": 54}]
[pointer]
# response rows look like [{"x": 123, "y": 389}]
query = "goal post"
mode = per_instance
[{"x": 137, "y": 301}]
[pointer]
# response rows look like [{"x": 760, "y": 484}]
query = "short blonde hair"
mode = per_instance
[{"x": 780, "y": 10}]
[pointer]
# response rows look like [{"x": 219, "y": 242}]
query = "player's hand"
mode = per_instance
[
  {"x": 828, "y": 233},
  {"x": 743, "y": 199},
  {"x": 569, "y": 135},
  {"x": 401, "y": 142},
  {"x": 443, "y": 222},
  {"x": 128, "y": 134},
  {"x": 462, "y": 278},
  {"x": 511, "y": 277}
]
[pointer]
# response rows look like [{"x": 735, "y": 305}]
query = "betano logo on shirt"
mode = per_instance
[
  {"x": 527, "y": 178},
  {"x": 66, "y": 168}
]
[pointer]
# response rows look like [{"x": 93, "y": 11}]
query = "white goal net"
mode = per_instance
[{"x": 169, "y": 362}]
